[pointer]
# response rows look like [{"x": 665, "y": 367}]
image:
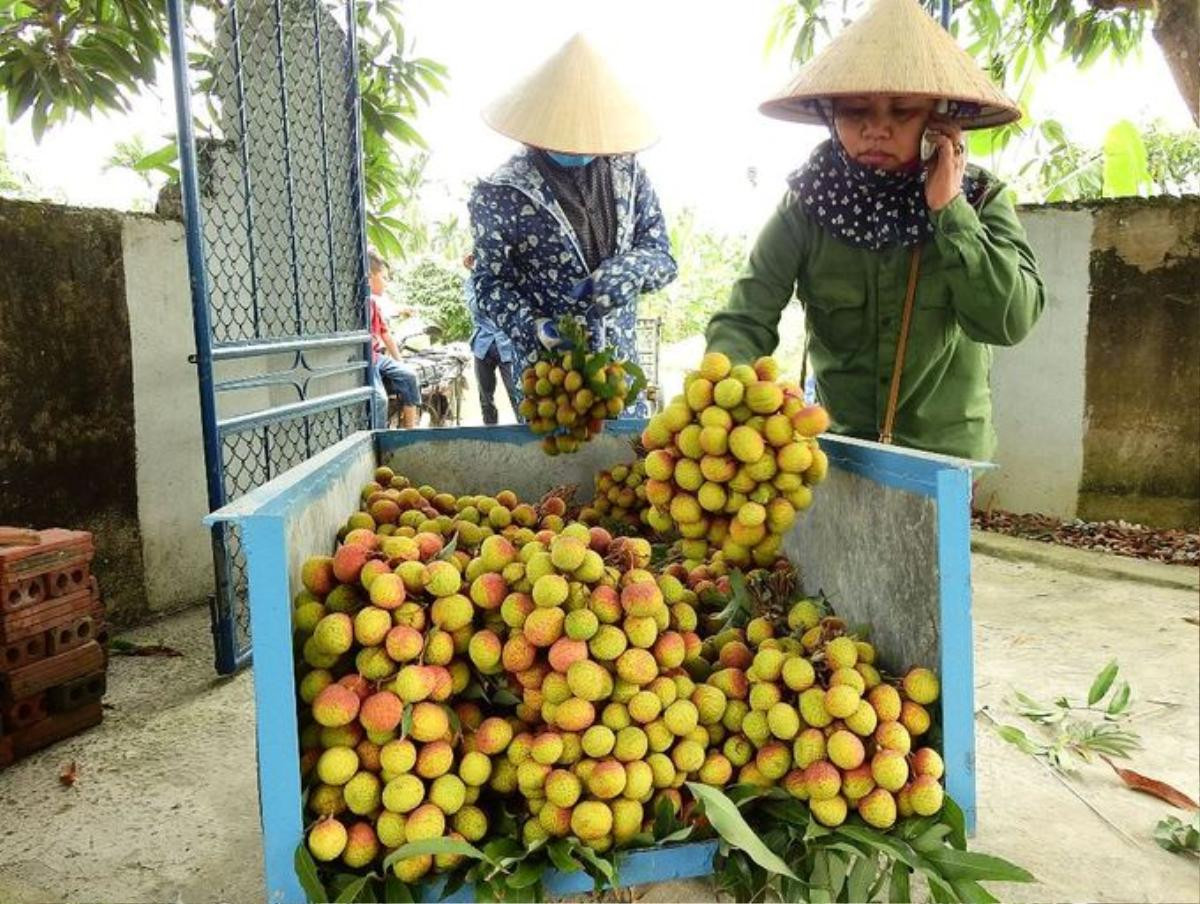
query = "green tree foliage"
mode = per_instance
[
  {"x": 59, "y": 58},
  {"x": 708, "y": 264},
  {"x": 435, "y": 289}
]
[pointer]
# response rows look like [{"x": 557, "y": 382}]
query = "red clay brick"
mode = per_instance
[
  {"x": 27, "y": 620},
  {"x": 22, "y": 652},
  {"x": 52, "y": 671},
  {"x": 59, "y": 549},
  {"x": 72, "y": 634},
  {"x": 24, "y": 713},
  {"x": 55, "y": 728},
  {"x": 80, "y": 692}
]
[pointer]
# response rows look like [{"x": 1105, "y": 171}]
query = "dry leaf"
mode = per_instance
[
  {"x": 68, "y": 774},
  {"x": 120, "y": 647},
  {"x": 1153, "y": 787}
]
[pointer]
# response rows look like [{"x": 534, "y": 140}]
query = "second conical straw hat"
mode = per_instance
[
  {"x": 573, "y": 103},
  {"x": 895, "y": 47}
]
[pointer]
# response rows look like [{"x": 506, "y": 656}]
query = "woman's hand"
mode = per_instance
[{"x": 944, "y": 181}]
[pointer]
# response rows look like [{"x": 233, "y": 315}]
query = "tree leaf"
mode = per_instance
[
  {"x": 971, "y": 892},
  {"x": 877, "y": 840},
  {"x": 1125, "y": 174},
  {"x": 434, "y": 846},
  {"x": 395, "y": 891},
  {"x": 1102, "y": 682},
  {"x": 898, "y": 886},
  {"x": 1120, "y": 700},
  {"x": 953, "y": 816},
  {"x": 862, "y": 877},
  {"x": 351, "y": 892},
  {"x": 560, "y": 855},
  {"x": 306, "y": 872},
  {"x": 976, "y": 866},
  {"x": 527, "y": 874},
  {"x": 1153, "y": 787},
  {"x": 602, "y": 866},
  {"x": 724, "y": 816}
]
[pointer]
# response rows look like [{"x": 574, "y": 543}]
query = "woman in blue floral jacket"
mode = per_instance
[{"x": 570, "y": 225}]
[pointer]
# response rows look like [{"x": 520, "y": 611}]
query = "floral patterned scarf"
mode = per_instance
[{"x": 867, "y": 207}]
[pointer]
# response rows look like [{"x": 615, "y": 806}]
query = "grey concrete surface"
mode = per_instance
[{"x": 165, "y": 807}]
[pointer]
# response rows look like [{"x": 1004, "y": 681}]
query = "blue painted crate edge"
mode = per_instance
[{"x": 634, "y": 867}]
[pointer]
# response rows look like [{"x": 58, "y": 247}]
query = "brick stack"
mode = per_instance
[{"x": 53, "y": 643}]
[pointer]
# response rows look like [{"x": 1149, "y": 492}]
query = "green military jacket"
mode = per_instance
[{"x": 978, "y": 286}]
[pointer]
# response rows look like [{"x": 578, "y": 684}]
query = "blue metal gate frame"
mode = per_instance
[{"x": 249, "y": 448}]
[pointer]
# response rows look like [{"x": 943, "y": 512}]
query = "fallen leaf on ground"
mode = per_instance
[
  {"x": 1153, "y": 787},
  {"x": 120, "y": 647},
  {"x": 69, "y": 773}
]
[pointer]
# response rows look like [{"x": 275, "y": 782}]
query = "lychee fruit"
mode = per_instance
[
  {"x": 889, "y": 769},
  {"x": 822, "y": 780},
  {"x": 426, "y": 821},
  {"x": 921, "y": 686},
  {"x": 381, "y": 712},
  {"x": 448, "y": 793},
  {"x": 784, "y": 721},
  {"x": 926, "y": 761},
  {"x": 886, "y": 701},
  {"x": 327, "y": 840},
  {"x": 925, "y": 795},
  {"x": 336, "y": 705},
  {"x": 591, "y": 820},
  {"x": 893, "y": 736},
  {"x": 841, "y": 701},
  {"x": 334, "y": 634},
  {"x": 429, "y": 722},
  {"x": 878, "y": 809},
  {"x": 318, "y": 578}
]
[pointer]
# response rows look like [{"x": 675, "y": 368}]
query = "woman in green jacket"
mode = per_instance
[{"x": 908, "y": 269}]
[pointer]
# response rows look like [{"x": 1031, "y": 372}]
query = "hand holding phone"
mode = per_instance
[{"x": 928, "y": 146}]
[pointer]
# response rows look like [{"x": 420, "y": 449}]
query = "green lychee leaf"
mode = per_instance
[
  {"x": 977, "y": 867},
  {"x": 952, "y": 815},
  {"x": 449, "y": 549},
  {"x": 1120, "y": 700},
  {"x": 354, "y": 890},
  {"x": 525, "y": 875},
  {"x": 434, "y": 846},
  {"x": 559, "y": 852},
  {"x": 306, "y": 872},
  {"x": 1103, "y": 682},
  {"x": 898, "y": 886},
  {"x": 603, "y": 870},
  {"x": 862, "y": 876},
  {"x": 725, "y": 817},
  {"x": 639, "y": 384},
  {"x": 406, "y": 721},
  {"x": 395, "y": 891}
]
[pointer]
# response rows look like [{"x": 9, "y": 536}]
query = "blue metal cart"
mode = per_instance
[{"x": 887, "y": 541}]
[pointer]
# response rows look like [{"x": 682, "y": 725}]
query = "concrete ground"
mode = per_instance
[{"x": 165, "y": 805}]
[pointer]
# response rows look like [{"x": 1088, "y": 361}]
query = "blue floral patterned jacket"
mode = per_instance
[{"x": 528, "y": 259}]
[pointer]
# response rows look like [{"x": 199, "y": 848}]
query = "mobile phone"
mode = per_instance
[{"x": 928, "y": 148}]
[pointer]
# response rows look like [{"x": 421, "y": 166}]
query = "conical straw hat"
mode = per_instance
[
  {"x": 896, "y": 48},
  {"x": 572, "y": 103}
]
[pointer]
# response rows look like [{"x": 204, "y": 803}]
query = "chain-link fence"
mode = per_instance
[{"x": 272, "y": 191}]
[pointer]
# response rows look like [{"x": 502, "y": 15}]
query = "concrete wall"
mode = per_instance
[
  {"x": 1097, "y": 410},
  {"x": 98, "y": 403},
  {"x": 176, "y": 553}
]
